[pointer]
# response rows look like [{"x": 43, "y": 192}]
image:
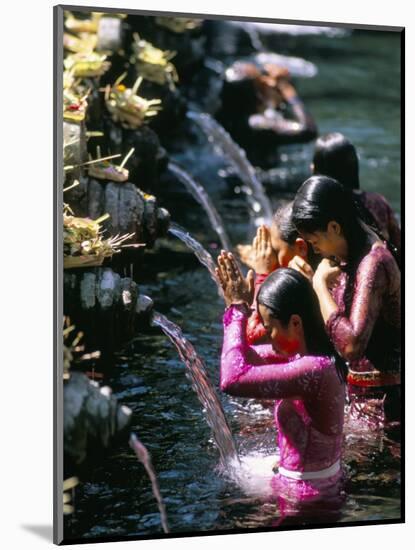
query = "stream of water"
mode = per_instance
[
  {"x": 204, "y": 389},
  {"x": 201, "y": 196},
  {"x": 259, "y": 204},
  {"x": 200, "y": 252},
  {"x": 144, "y": 457}
]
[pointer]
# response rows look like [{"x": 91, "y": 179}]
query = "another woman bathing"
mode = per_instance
[
  {"x": 299, "y": 369},
  {"x": 271, "y": 249},
  {"x": 358, "y": 288},
  {"x": 336, "y": 157}
]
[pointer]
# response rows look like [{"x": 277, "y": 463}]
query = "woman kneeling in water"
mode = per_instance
[
  {"x": 299, "y": 369},
  {"x": 359, "y": 293}
]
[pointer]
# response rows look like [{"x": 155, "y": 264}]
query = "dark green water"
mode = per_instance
[{"x": 357, "y": 92}]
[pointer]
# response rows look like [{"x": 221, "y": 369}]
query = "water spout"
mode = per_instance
[
  {"x": 259, "y": 204},
  {"x": 205, "y": 391},
  {"x": 201, "y": 196},
  {"x": 200, "y": 252},
  {"x": 144, "y": 457}
]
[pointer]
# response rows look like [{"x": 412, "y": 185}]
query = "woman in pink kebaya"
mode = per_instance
[{"x": 299, "y": 369}]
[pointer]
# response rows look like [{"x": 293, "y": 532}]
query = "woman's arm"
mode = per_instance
[
  {"x": 263, "y": 354},
  {"x": 302, "y": 125},
  {"x": 255, "y": 331},
  {"x": 239, "y": 377},
  {"x": 351, "y": 333},
  {"x": 264, "y": 261},
  {"x": 305, "y": 122}
]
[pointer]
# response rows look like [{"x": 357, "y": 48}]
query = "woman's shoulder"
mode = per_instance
[
  {"x": 379, "y": 254},
  {"x": 378, "y": 262},
  {"x": 372, "y": 197}
]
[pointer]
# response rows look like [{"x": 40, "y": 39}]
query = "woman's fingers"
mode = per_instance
[
  {"x": 267, "y": 239},
  {"x": 234, "y": 263},
  {"x": 222, "y": 267},
  {"x": 263, "y": 236},
  {"x": 250, "y": 279},
  {"x": 219, "y": 276},
  {"x": 232, "y": 267},
  {"x": 227, "y": 268},
  {"x": 302, "y": 266},
  {"x": 223, "y": 283},
  {"x": 255, "y": 242}
]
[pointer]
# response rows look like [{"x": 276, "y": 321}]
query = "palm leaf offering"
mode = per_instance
[
  {"x": 85, "y": 42},
  {"x": 108, "y": 171},
  {"x": 74, "y": 106},
  {"x": 152, "y": 63},
  {"x": 76, "y": 25},
  {"x": 128, "y": 108},
  {"x": 83, "y": 242},
  {"x": 179, "y": 24},
  {"x": 87, "y": 64}
]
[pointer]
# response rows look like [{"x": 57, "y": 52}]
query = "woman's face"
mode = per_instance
[
  {"x": 284, "y": 251},
  {"x": 329, "y": 243},
  {"x": 284, "y": 339}
]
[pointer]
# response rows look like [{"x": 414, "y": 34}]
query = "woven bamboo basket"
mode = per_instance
[{"x": 72, "y": 262}]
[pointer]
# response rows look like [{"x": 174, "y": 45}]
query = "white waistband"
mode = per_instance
[{"x": 327, "y": 472}]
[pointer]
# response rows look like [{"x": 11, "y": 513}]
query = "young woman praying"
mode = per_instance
[
  {"x": 358, "y": 288},
  {"x": 299, "y": 369}
]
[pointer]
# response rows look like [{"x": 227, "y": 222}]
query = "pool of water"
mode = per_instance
[
  {"x": 150, "y": 378},
  {"x": 357, "y": 92}
]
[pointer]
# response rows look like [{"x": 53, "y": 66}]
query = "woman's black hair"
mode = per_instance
[
  {"x": 286, "y": 292},
  {"x": 335, "y": 156},
  {"x": 321, "y": 200},
  {"x": 283, "y": 221}
]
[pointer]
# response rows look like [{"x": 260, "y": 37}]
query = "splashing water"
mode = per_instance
[
  {"x": 144, "y": 457},
  {"x": 254, "y": 474},
  {"x": 201, "y": 196},
  {"x": 197, "y": 374},
  {"x": 259, "y": 204},
  {"x": 256, "y": 41},
  {"x": 200, "y": 252}
]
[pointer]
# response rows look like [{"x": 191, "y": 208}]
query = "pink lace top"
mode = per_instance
[
  {"x": 370, "y": 327},
  {"x": 309, "y": 393}
]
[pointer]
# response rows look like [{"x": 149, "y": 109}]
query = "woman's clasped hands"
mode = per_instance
[{"x": 237, "y": 289}]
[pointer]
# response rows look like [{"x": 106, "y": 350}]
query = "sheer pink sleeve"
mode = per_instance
[
  {"x": 297, "y": 377},
  {"x": 255, "y": 331},
  {"x": 350, "y": 334}
]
